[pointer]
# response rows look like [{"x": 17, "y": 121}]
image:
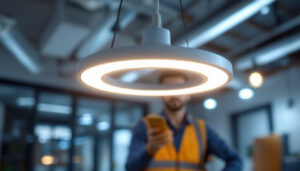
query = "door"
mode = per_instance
[{"x": 250, "y": 125}]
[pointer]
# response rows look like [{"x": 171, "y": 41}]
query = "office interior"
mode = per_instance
[{"x": 50, "y": 121}]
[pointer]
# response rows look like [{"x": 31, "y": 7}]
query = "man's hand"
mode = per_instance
[{"x": 157, "y": 139}]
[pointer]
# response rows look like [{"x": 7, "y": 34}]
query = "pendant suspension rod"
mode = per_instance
[{"x": 156, "y": 19}]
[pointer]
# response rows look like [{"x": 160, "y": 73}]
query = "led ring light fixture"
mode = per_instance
[{"x": 213, "y": 71}]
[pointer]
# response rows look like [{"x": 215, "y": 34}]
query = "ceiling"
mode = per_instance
[{"x": 55, "y": 35}]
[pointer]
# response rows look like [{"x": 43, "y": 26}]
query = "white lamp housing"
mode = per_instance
[{"x": 213, "y": 71}]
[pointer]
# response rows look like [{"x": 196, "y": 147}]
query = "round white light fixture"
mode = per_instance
[
  {"x": 256, "y": 79},
  {"x": 265, "y": 10},
  {"x": 246, "y": 94},
  {"x": 103, "y": 126},
  {"x": 210, "y": 104},
  {"x": 213, "y": 71}
]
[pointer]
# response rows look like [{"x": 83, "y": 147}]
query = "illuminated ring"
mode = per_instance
[
  {"x": 214, "y": 70},
  {"x": 147, "y": 65}
]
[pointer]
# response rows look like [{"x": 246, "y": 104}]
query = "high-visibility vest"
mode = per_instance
[{"x": 190, "y": 156}]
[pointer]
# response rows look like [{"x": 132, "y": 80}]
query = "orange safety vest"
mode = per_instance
[{"x": 190, "y": 156}]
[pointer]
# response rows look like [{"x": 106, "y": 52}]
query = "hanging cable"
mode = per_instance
[
  {"x": 116, "y": 25},
  {"x": 184, "y": 26}
]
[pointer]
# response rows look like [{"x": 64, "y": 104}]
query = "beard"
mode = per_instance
[{"x": 174, "y": 105}]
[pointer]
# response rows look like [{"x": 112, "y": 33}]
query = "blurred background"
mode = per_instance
[{"x": 51, "y": 122}]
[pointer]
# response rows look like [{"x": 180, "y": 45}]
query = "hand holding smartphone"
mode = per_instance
[
  {"x": 156, "y": 122},
  {"x": 158, "y": 133}
]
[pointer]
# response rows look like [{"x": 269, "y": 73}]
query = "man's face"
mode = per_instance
[{"x": 175, "y": 103}]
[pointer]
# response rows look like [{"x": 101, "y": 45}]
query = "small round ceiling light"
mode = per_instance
[
  {"x": 246, "y": 94},
  {"x": 265, "y": 10},
  {"x": 256, "y": 79},
  {"x": 210, "y": 104},
  {"x": 213, "y": 71}
]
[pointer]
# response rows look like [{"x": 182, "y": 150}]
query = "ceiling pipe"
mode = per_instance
[
  {"x": 99, "y": 39},
  {"x": 15, "y": 42},
  {"x": 267, "y": 36},
  {"x": 223, "y": 22},
  {"x": 270, "y": 53}
]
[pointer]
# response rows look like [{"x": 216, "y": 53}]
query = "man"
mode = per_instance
[{"x": 187, "y": 144}]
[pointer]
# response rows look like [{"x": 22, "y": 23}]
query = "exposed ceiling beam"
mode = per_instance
[
  {"x": 291, "y": 12},
  {"x": 258, "y": 26},
  {"x": 16, "y": 43},
  {"x": 270, "y": 53},
  {"x": 99, "y": 39},
  {"x": 224, "y": 22},
  {"x": 282, "y": 68},
  {"x": 265, "y": 37},
  {"x": 188, "y": 17},
  {"x": 235, "y": 36},
  {"x": 214, "y": 47}
]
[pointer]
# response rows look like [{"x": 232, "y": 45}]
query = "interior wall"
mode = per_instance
[{"x": 276, "y": 91}]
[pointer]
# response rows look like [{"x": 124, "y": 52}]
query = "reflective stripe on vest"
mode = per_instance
[
  {"x": 172, "y": 164},
  {"x": 191, "y": 154},
  {"x": 200, "y": 140}
]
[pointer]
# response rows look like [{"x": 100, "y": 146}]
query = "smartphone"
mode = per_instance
[{"x": 156, "y": 121}]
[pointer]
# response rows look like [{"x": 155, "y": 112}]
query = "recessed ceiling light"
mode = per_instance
[
  {"x": 265, "y": 10},
  {"x": 210, "y": 104},
  {"x": 246, "y": 94}
]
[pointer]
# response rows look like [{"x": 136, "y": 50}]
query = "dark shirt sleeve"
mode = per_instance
[
  {"x": 218, "y": 147},
  {"x": 138, "y": 159}
]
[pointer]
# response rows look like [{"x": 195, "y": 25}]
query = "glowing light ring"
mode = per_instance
[
  {"x": 94, "y": 69},
  {"x": 200, "y": 79}
]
